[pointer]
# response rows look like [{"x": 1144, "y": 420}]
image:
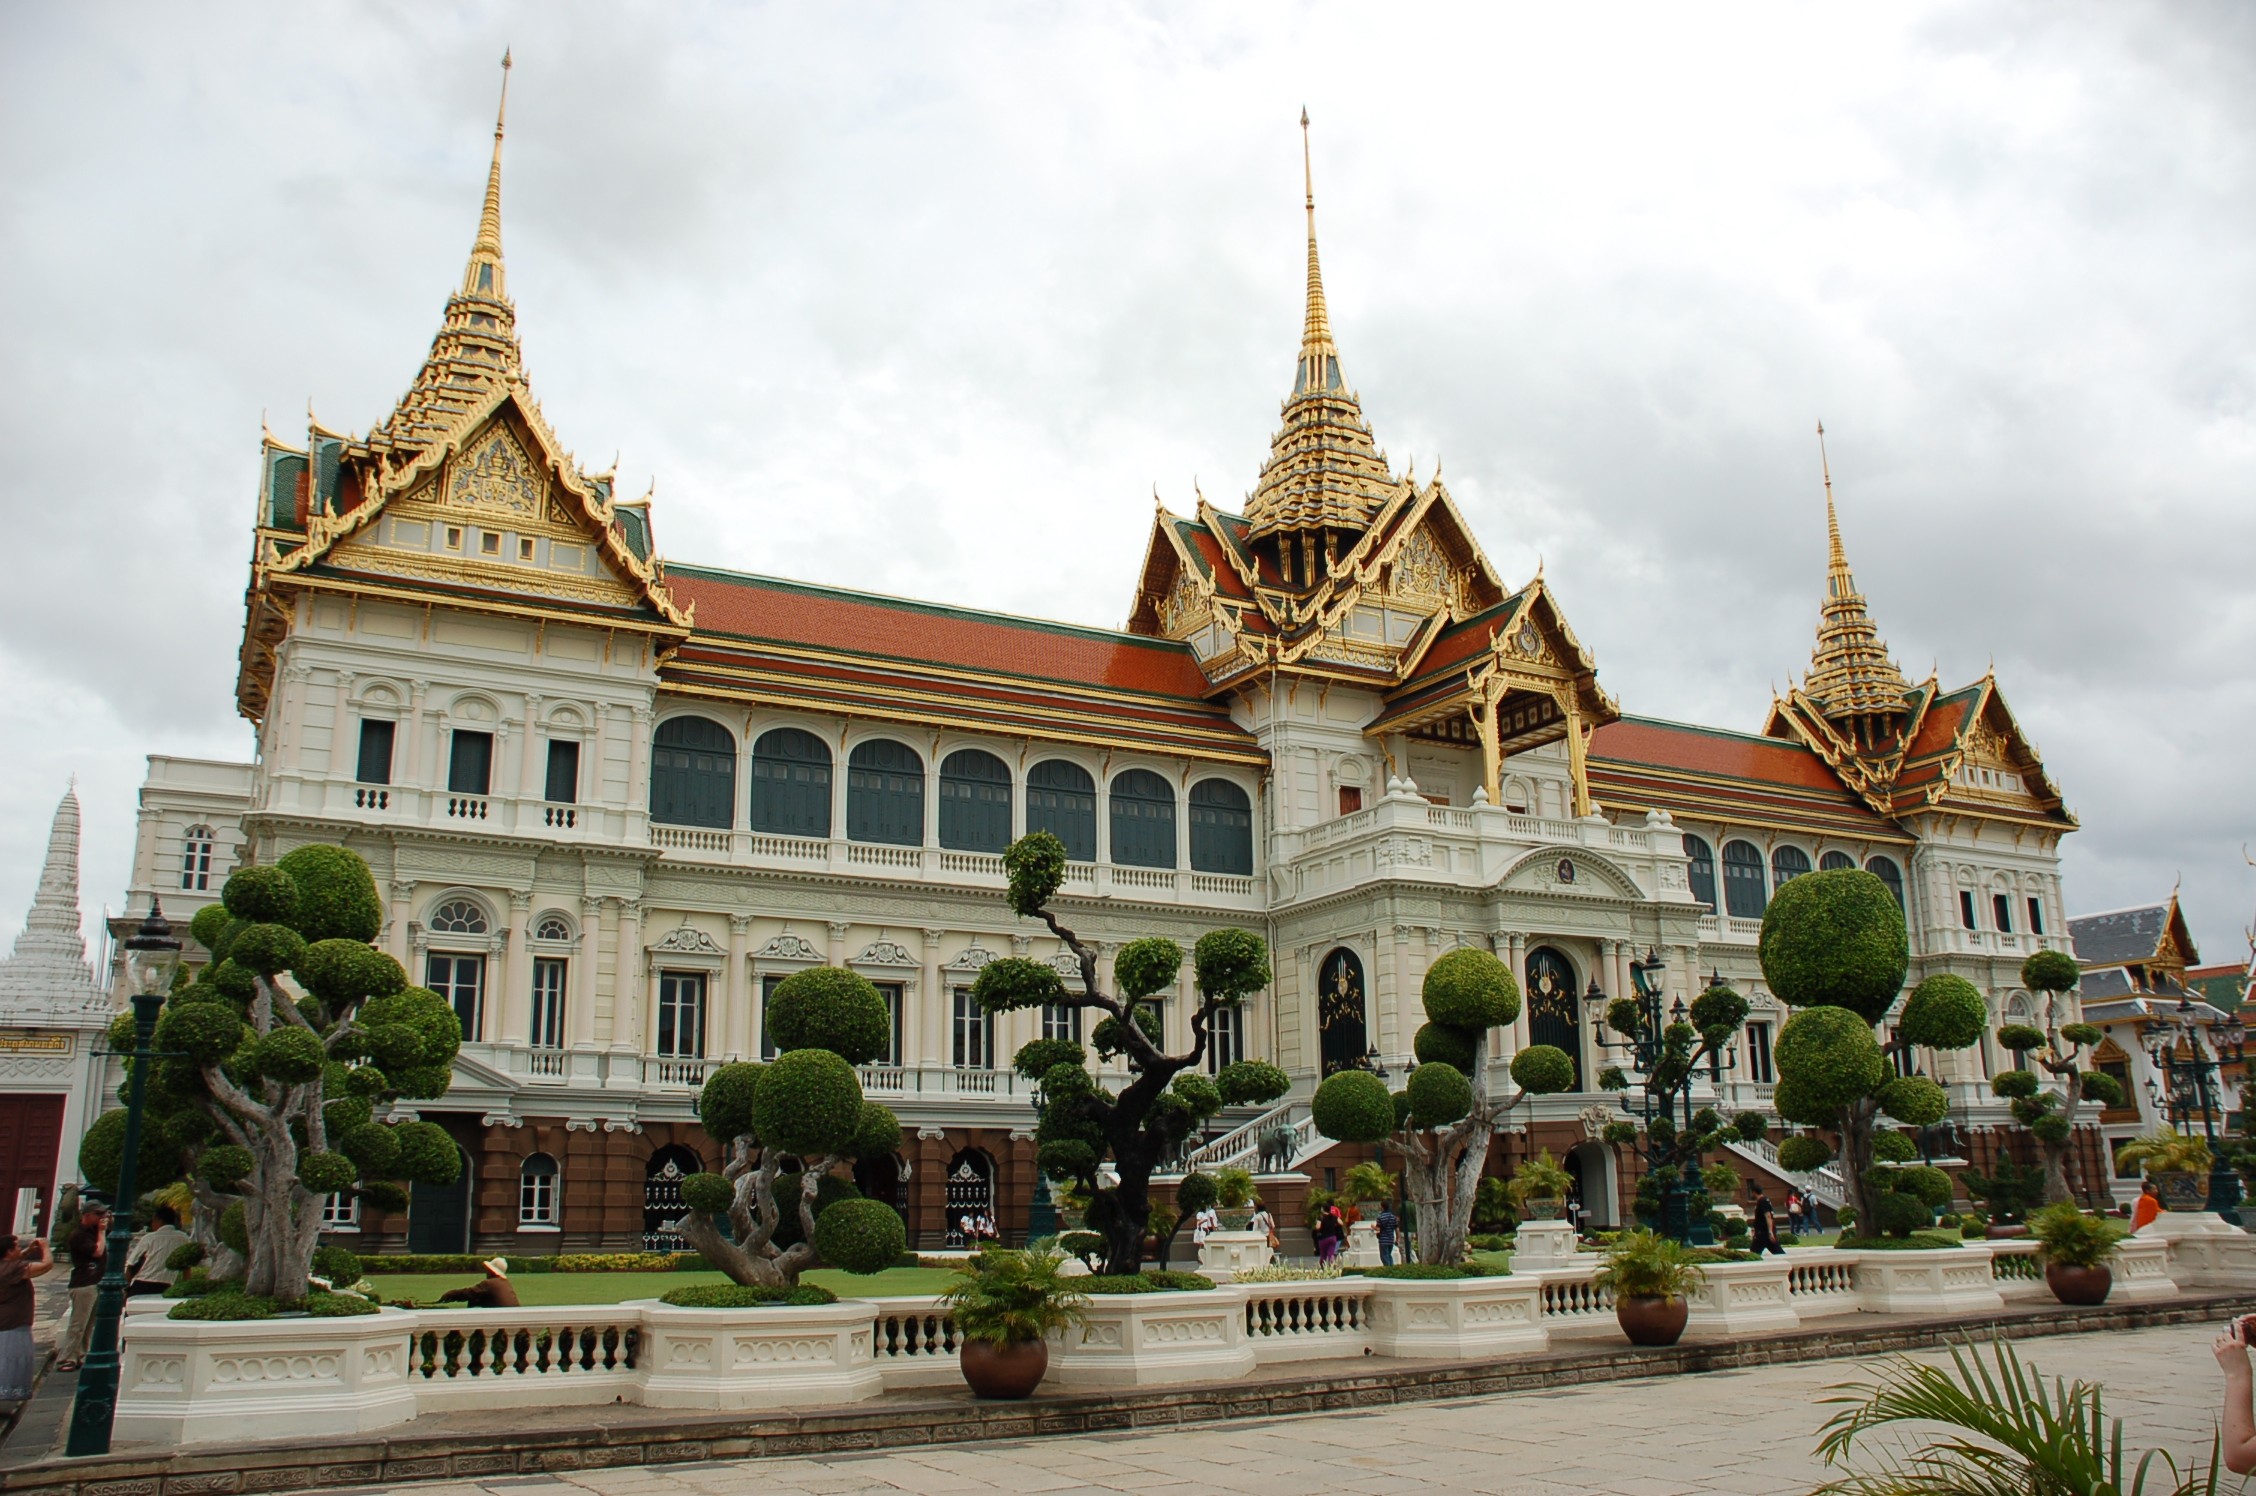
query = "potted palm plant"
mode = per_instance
[
  {"x": 1538, "y": 1188},
  {"x": 2076, "y": 1249},
  {"x": 2177, "y": 1163},
  {"x": 1233, "y": 1197},
  {"x": 1650, "y": 1276},
  {"x": 1005, "y": 1307}
]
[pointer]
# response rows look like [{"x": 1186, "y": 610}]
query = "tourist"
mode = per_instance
[
  {"x": 1389, "y": 1224},
  {"x": 1265, "y": 1223},
  {"x": 967, "y": 1227},
  {"x": 2148, "y": 1206},
  {"x": 1331, "y": 1233},
  {"x": 493, "y": 1291},
  {"x": 1765, "y": 1238},
  {"x": 1205, "y": 1223},
  {"x": 89, "y": 1248},
  {"x": 2237, "y": 1439},
  {"x": 1794, "y": 1222},
  {"x": 22, "y": 1258},
  {"x": 145, "y": 1269}
]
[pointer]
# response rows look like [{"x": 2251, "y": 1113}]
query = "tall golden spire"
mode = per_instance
[
  {"x": 476, "y": 348},
  {"x": 1324, "y": 471},
  {"x": 1852, "y": 677}
]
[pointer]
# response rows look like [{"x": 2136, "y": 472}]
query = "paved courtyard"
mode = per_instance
[{"x": 1746, "y": 1433}]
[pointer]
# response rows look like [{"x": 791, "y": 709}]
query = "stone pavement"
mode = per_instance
[{"x": 1737, "y": 1433}]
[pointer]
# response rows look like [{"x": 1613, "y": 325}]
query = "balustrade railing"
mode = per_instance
[{"x": 562, "y": 1348}]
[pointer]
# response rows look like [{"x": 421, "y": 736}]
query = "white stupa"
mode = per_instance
[{"x": 46, "y": 979}]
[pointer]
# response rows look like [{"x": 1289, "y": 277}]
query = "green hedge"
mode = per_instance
[
  {"x": 745, "y": 1296},
  {"x": 1918, "y": 1241},
  {"x": 592, "y": 1262},
  {"x": 1154, "y": 1281},
  {"x": 235, "y": 1304},
  {"x": 1417, "y": 1270}
]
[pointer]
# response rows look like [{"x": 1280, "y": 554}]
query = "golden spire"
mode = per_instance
[
  {"x": 484, "y": 275},
  {"x": 1319, "y": 357},
  {"x": 1852, "y": 677}
]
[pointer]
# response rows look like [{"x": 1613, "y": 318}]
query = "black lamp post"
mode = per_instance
[
  {"x": 2192, "y": 1085},
  {"x": 151, "y": 953},
  {"x": 1645, "y": 1054}
]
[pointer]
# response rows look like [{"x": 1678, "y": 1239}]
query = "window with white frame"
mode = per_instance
[
  {"x": 889, "y": 993},
  {"x": 340, "y": 1213},
  {"x": 1225, "y": 1036},
  {"x": 461, "y": 981},
  {"x": 1061, "y": 1021},
  {"x": 550, "y": 974},
  {"x": 196, "y": 859},
  {"x": 681, "y": 1014},
  {"x": 974, "y": 1034},
  {"x": 768, "y": 985},
  {"x": 1759, "y": 1068},
  {"x": 553, "y": 927},
  {"x": 536, "y": 1191}
]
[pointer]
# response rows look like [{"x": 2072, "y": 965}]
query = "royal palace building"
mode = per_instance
[{"x": 613, "y": 798}]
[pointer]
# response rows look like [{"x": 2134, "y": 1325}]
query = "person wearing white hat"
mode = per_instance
[{"x": 493, "y": 1291}]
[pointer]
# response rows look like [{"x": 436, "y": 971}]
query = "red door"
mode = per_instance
[{"x": 31, "y": 1140}]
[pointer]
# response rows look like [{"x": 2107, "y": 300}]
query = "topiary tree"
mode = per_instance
[
  {"x": 1674, "y": 1195},
  {"x": 274, "y": 1084},
  {"x": 1441, "y": 1121},
  {"x": 1083, "y": 1124},
  {"x": 1835, "y": 949},
  {"x": 779, "y": 1206},
  {"x": 2059, "y": 1050}
]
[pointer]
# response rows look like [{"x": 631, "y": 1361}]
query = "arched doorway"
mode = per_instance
[
  {"x": 662, "y": 1197},
  {"x": 1551, "y": 1004},
  {"x": 1596, "y": 1189},
  {"x": 1342, "y": 1039},
  {"x": 971, "y": 1192},
  {"x": 438, "y": 1215}
]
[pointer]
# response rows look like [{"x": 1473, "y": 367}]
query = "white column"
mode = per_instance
[
  {"x": 399, "y": 912},
  {"x": 1515, "y": 945},
  {"x": 627, "y": 996},
  {"x": 531, "y": 782},
  {"x": 737, "y": 1044},
  {"x": 638, "y": 769},
  {"x": 838, "y": 929},
  {"x": 514, "y": 1011},
  {"x": 580, "y": 1014},
  {"x": 931, "y": 1023}
]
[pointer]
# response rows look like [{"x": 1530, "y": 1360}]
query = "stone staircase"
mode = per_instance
[
  {"x": 1824, "y": 1185},
  {"x": 1240, "y": 1147}
]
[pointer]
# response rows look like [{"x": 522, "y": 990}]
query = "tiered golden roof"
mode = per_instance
[
  {"x": 475, "y": 352},
  {"x": 1324, "y": 470},
  {"x": 1852, "y": 677}
]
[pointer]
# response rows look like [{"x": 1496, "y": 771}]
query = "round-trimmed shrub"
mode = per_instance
[
  {"x": 207, "y": 923},
  {"x": 101, "y": 1151},
  {"x": 877, "y": 1134},
  {"x": 290, "y": 1055},
  {"x": 336, "y": 894},
  {"x": 372, "y": 1146},
  {"x": 1892, "y": 1147},
  {"x": 2101, "y": 1087},
  {"x": 1037, "y": 1057},
  {"x": 1146, "y": 966},
  {"x": 2089, "y": 1035},
  {"x": 725, "y": 1105},
  {"x": 830, "y": 1008},
  {"x": 2051, "y": 1128},
  {"x": 260, "y": 895},
  {"x": 225, "y": 1165},
  {"x": 1064, "y": 1081},
  {"x": 1439, "y": 1095},
  {"x": 234, "y": 1228},
  {"x": 1251, "y": 1082},
  {"x": 427, "y": 1153},
  {"x": 236, "y": 1305},
  {"x": 2050, "y": 971},
  {"x": 1352, "y": 1106},
  {"x": 1543, "y": 1070},
  {"x": 231, "y": 979},
  {"x": 1008, "y": 984},
  {"x": 1196, "y": 1193},
  {"x": 1035, "y": 865},
  {"x": 340, "y": 1114},
  {"x": 1835, "y": 940},
  {"x": 2014, "y": 1085},
  {"x": 1944, "y": 1012},
  {"x": 809, "y": 1102},
  {"x": 1470, "y": 989},
  {"x": 1065, "y": 1159},
  {"x": 1826, "y": 1056},
  {"x": 1802, "y": 1153},
  {"x": 1439, "y": 1044},
  {"x": 2020, "y": 1038},
  {"x": 1199, "y": 1092},
  {"x": 204, "y": 1033},
  {"x": 710, "y": 1194},
  {"x": 1915, "y": 1099},
  {"x": 326, "y": 1173},
  {"x": 342, "y": 971},
  {"x": 340, "y": 1265},
  {"x": 267, "y": 949},
  {"x": 860, "y": 1236},
  {"x": 1230, "y": 964},
  {"x": 185, "y": 1256},
  {"x": 1924, "y": 1183},
  {"x": 830, "y": 1190},
  {"x": 746, "y": 1296},
  {"x": 1900, "y": 1215},
  {"x": 1718, "y": 1007}
]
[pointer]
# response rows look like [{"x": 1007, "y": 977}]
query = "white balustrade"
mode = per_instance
[
  {"x": 1314, "y": 1321},
  {"x": 505, "y": 1358}
]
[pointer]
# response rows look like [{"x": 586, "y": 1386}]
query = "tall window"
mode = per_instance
[
  {"x": 681, "y": 1014},
  {"x": 1221, "y": 828},
  {"x": 461, "y": 981},
  {"x": 1885, "y": 869},
  {"x": 1759, "y": 1068},
  {"x": 536, "y": 1191},
  {"x": 1966, "y": 909},
  {"x": 890, "y": 994},
  {"x": 768, "y": 985},
  {"x": 549, "y": 975},
  {"x": 375, "y": 765},
  {"x": 974, "y": 1034},
  {"x": 1702, "y": 870},
  {"x": 1835, "y": 862},
  {"x": 1744, "y": 895},
  {"x": 975, "y": 802},
  {"x": 1903, "y": 1061},
  {"x": 1061, "y": 1021},
  {"x": 790, "y": 784},
  {"x": 693, "y": 773},
  {"x": 1061, "y": 799},
  {"x": 1225, "y": 1037},
  {"x": 2036, "y": 915},
  {"x": 1787, "y": 864},
  {"x": 469, "y": 762},
  {"x": 195, "y": 858},
  {"x": 1143, "y": 820},
  {"x": 885, "y": 794},
  {"x": 563, "y": 771},
  {"x": 340, "y": 1212},
  {"x": 2001, "y": 906}
]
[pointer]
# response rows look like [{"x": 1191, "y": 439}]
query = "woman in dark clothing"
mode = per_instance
[
  {"x": 1766, "y": 1226},
  {"x": 21, "y": 1260}
]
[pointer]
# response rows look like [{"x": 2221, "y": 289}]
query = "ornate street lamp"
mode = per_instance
[
  {"x": 1644, "y": 1056},
  {"x": 2193, "y": 1085},
  {"x": 151, "y": 953}
]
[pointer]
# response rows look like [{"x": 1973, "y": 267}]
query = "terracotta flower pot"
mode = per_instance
[
  {"x": 1004, "y": 1371},
  {"x": 1651, "y": 1318},
  {"x": 2079, "y": 1285},
  {"x": 1999, "y": 1232}
]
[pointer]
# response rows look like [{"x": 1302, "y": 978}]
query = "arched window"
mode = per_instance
[
  {"x": 459, "y": 917},
  {"x": 1061, "y": 799},
  {"x": 975, "y": 796},
  {"x": 1143, "y": 820},
  {"x": 790, "y": 784},
  {"x": 693, "y": 773},
  {"x": 1702, "y": 871},
  {"x": 1221, "y": 828},
  {"x": 536, "y": 1191},
  {"x": 1552, "y": 1004},
  {"x": 1885, "y": 869},
  {"x": 1834, "y": 862},
  {"x": 1787, "y": 864},
  {"x": 195, "y": 858},
  {"x": 662, "y": 1197},
  {"x": 553, "y": 927},
  {"x": 885, "y": 794},
  {"x": 1744, "y": 896},
  {"x": 457, "y": 975}
]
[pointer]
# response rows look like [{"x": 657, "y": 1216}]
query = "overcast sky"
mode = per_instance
[{"x": 927, "y": 299}]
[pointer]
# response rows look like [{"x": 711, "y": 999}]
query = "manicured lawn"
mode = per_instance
[{"x": 617, "y": 1288}]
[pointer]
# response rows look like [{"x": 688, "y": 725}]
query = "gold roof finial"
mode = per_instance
[
  {"x": 1851, "y": 675},
  {"x": 1838, "y": 581},
  {"x": 484, "y": 275},
  {"x": 1319, "y": 358}
]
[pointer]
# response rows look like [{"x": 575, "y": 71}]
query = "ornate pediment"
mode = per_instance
[
  {"x": 689, "y": 940},
  {"x": 789, "y": 948},
  {"x": 885, "y": 953}
]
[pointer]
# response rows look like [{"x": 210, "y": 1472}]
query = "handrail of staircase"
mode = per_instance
[
  {"x": 1825, "y": 1183},
  {"x": 1242, "y": 1142}
]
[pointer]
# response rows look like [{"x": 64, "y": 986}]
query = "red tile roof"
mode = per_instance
[{"x": 1639, "y": 763}]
